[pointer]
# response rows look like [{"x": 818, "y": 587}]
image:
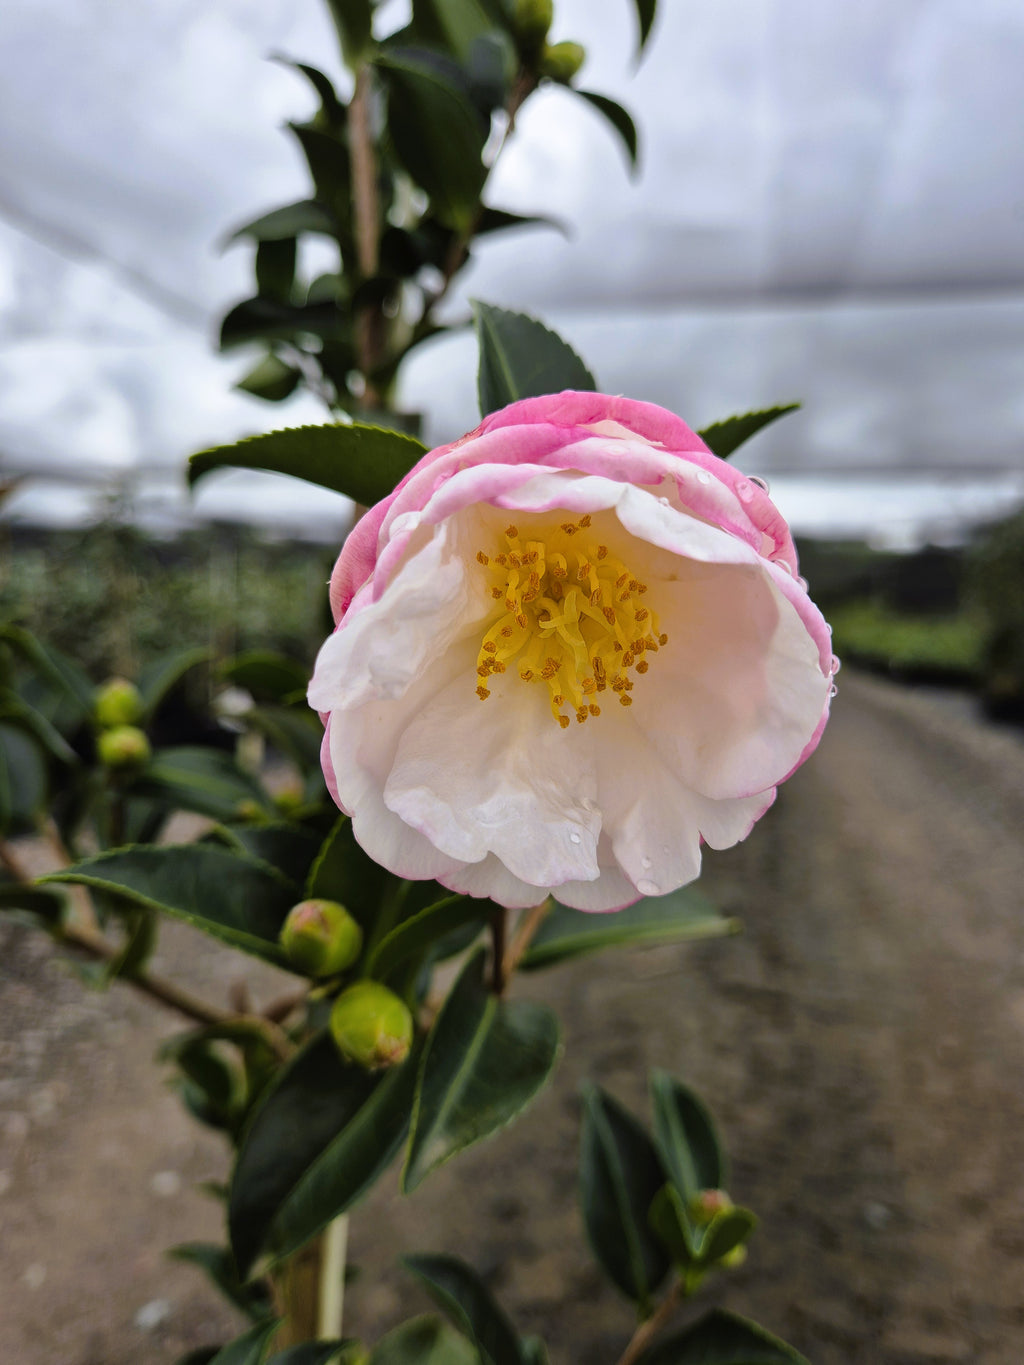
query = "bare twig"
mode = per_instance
[
  {"x": 529, "y": 922},
  {"x": 644, "y": 1334},
  {"x": 366, "y": 204}
]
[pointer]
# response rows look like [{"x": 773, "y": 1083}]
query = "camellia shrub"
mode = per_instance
[{"x": 571, "y": 648}]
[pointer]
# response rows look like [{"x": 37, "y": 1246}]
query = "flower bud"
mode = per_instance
[
  {"x": 371, "y": 1025},
  {"x": 321, "y": 938},
  {"x": 707, "y": 1203},
  {"x": 562, "y": 61},
  {"x": 732, "y": 1260},
  {"x": 531, "y": 22},
  {"x": 124, "y": 746},
  {"x": 117, "y": 702}
]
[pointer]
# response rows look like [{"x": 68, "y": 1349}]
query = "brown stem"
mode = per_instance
[
  {"x": 11, "y": 865},
  {"x": 529, "y": 922},
  {"x": 366, "y": 204},
  {"x": 643, "y": 1335}
]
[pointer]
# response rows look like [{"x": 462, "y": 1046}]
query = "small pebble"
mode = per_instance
[
  {"x": 166, "y": 1184},
  {"x": 152, "y": 1314}
]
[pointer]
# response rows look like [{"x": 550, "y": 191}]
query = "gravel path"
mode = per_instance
[{"x": 861, "y": 1044}]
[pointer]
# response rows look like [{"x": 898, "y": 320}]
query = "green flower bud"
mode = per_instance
[
  {"x": 530, "y": 22},
  {"x": 707, "y": 1203},
  {"x": 732, "y": 1260},
  {"x": 124, "y": 746},
  {"x": 251, "y": 812},
  {"x": 321, "y": 938},
  {"x": 562, "y": 61},
  {"x": 117, "y": 702},
  {"x": 371, "y": 1025}
]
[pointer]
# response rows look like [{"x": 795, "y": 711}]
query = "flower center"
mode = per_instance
[{"x": 571, "y": 618}]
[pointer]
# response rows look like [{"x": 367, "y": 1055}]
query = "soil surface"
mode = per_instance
[{"x": 860, "y": 1043}]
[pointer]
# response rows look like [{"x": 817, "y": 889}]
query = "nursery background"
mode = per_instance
[{"x": 827, "y": 210}]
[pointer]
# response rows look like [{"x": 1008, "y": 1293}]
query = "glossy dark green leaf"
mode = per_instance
[
  {"x": 264, "y": 319},
  {"x": 463, "y": 1296},
  {"x": 275, "y": 268},
  {"x": 725, "y": 437},
  {"x": 296, "y": 733},
  {"x": 140, "y": 934},
  {"x": 327, "y": 156},
  {"x": 211, "y": 1084},
  {"x": 353, "y": 20},
  {"x": 207, "y": 781},
  {"x": 534, "y": 1352},
  {"x": 23, "y": 780},
  {"x": 35, "y": 725},
  {"x": 320, "y": 1137},
  {"x": 267, "y": 675},
  {"x": 728, "y": 1229},
  {"x": 453, "y": 24},
  {"x": 722, "y": 1338},
  {"x": 289, "y": 848},
  {"x": 250, "y": 1348},
  {"x": 332, "y": 111},
  {"x": 437, "y": 135},
  {"x": 645, "y": 14},
  {"x": 484, "y": 1061},
  {"x": 217, "y": 1262},
  {"x": 159, "y": 678},
  {"x": 675, "y": 918},
  {"x": 422, "y": 930},
  {"x": 273, "y": 379},
  {"x": 40, "y": 906},
  {"x": 343, "y": 872},
  {"x": 59, "y": 688},
  {"x": 670, "y": 1222},
  {"x": 317, "y": 1353},
  {"x": 424, "y": 1341},
  {"x": 685, "y": 1135},
  {"x": 308, "y": 215},
  {"x": 240, "y": 901},
  {"x": 521, "y": 358},
  {"x": 501, "y": 220},
  {"x": 362, "y": 461},
  {"x": 620, "y": 1174},
  {"x": 619, "y": 119}
]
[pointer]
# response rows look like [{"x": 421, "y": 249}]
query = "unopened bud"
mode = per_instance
[
  {"x": 250, "y": 811},
  {"x": 117, "y": 702},
  {"x": 124, "y": 746},
  {"x": 371, "y": 1025},
  {"x": 707, "y": 1203},
  {"x": 531, "y": 23},
  {"x": 732, "y": 1260},
  {"x": 562, "y": 61},
  {"x": 321, "y": 938}
]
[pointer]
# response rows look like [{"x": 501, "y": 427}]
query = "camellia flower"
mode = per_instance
[{"x": 571, "y": 647}]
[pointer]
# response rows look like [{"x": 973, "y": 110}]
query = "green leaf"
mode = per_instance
[
  {"x": 202, "y": 1355},
  {"x": 35, "y": 905},
  {"x": 521, "y": 358},
  {"x": 35, "y": 725},
  {"x": 534, "y": 1351},
  {"x": 437, "y": 135},
  {"x": 722, "y": 1338},
  {"x": 61, "y": 690},
  {"x": 424, "y": 1341},
  {"x": 319, "y": 1139},
  {"x": 241, "y": 902},
  {"x": 159, "y": 678},
  {"x": 499, "y": 220},
  {"x": 724, "y": 437},
  {"x": 295, "y": 733},
  {"x": 207, "y": 781},
  {"x": 619, "y": 119},
  {"x": 140, "y": 933},
  {"x": 353, "y": 20},
  {"x": 23, "y": 780},
  {"x": 275, "y": 268},
  {"x": 250, "y": 1348},
  {"x": 308, "y": 215},
  {"x": 463, "y": 1296},
  {"x": 343, "y": 872},
  {"x": 332, "y": 111},
  {"x": 620, "y": 1174},
  {"x": 268, "y": 676},
  {"x": 218, "y": 1263},
  {"x": 272, "y": 379},
  {"x": 484, "y": 1061},
  {"x": 645, "y": 13},
  {"x": 261, "y": 319},
  {"x": 727, "y": 1230},
  {"x": 454, "y": 24},
  {"x": 671, "y": 1224},
  {"x": 424, "y": 929},
  {"x": 685, "y": 1136},
  {"x": 327, "y": 156},
  {"x": 681, "y": 915},
  {"x": 361, "y": 461},
  {"x": 316, "y": 1353},
  {"x": 288, "y": 848}
]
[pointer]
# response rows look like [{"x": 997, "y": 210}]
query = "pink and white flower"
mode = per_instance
[{"x": 571, "y": 648}]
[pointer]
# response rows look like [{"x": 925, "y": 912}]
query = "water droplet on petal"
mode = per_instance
[
  {"x": 836, "y": 665},
  {"x": 647, "y": 887},
  {"x": 574, "y": 838},
  {"x": 702, "y": 477},
  {"x": 786, "y": 568},
  {"x": 833, "y": 691},
  {"x": 828, "y": 628},
  {"x": 645, "y": 862},
  {"x": 745, "y": 490},
  {"x": 761, "y": 483},
  {"x": 664, "y": 502},
  {"x": 803, "y": 583}
]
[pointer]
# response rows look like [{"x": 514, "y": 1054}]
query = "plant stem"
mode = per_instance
[
  {"x": 646, "y": 1331},
  {"x": 499, "y": 927},
  {"x": 332, "y": 1279},
  {"x": 530, "y": 921},
  {"x": 366, "y": 205}
]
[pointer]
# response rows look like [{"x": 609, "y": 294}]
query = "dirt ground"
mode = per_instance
[{"x": 861, "y": 1044}]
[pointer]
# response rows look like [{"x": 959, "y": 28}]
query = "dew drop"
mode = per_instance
[
  {"x": 761, "y": 483},
  {"x": 574, "y": 838},
  {"x": 664, "y": 502},
  {"x": 745, "y": 490},
  {"x": 836, "y": 665},
  {"x": 803, "y": 583},
  {"x": 702, "y": 477},
  {"x": 647, "y": 887},
  {"x": 786, "y": 568},
  {"x": 645, "y": 862},
  {"x": 833, "y": 690},
  {"x": 828, "y": 628}
]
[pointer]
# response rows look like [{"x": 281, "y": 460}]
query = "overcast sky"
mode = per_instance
[{"x": 831, "y": 208}]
